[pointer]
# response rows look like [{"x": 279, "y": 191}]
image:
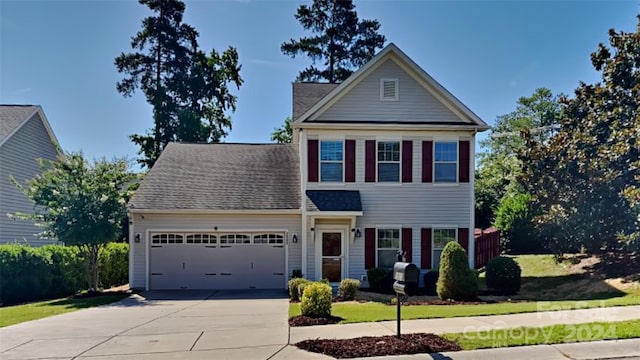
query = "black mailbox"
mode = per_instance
[{"x": 406, "y": 276}]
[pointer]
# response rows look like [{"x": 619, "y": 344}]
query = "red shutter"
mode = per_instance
[
  {"x": 463, "y": 154},
  {"x": 407, "y": 161},
  {"x": 369, "y": 248},
  {"x": 427, "y": 161},
  {"x": 425, "y": 248},
  {"x": 407, "y": 243},
  {"x": 350, "y": 161},
  {"x": 312, "y": 160},
  {"x": 370, "y": 161},
  {"x": 463, "y": 238}
]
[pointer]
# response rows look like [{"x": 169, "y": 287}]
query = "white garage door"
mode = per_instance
[{"x": 216, "y": 261}]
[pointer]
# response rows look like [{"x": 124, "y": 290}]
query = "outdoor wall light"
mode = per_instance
[
  {"x": 312, "y": 229},
  {"x": 294, "y": 238},
  {"x": 358, "y": 232},
  {"x": 137, "y": 238}
]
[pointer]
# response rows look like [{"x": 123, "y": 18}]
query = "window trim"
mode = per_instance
[
  {"x": 397, "y": 89},
  {"x": 399, "y": 162},
  {"x": 320, "y": 161},
  {"x": 388, "y": 227},
  {"x": 457, "y": 163},
  {"x": 433, "y": 241}
]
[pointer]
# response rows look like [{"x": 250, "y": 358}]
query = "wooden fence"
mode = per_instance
[{"x": 487, "y": 245}]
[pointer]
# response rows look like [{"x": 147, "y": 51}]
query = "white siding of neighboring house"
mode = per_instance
[
  {"x": 413, "y": 205},
  {"x": 362, "y": 103},
  {"x": 18, "y": 159},
  {"x": 179, "y": 222}
]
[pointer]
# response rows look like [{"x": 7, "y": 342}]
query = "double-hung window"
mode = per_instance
[
  {"x": 446, "y": 162},
  {"x": 440, "y": 239},
  {"x": 388, "y": 161},
  {"x": 387, "y": 245},
  {"x": 331, "y": 161}
]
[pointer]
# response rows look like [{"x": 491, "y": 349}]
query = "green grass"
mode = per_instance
[
  {"x": 11, "y": 315},
  {"x": 540, "y": 266},
  {"x": 556, "y": 334},
  {"x": 375, "y": 311}
]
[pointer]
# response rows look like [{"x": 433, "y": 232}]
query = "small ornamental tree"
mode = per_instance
[
  {"x": 456, "y": 280},
  {"x": 80, "y": 203}
]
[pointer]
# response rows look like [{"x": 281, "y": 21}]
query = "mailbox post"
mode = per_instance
[{"x": 406, "y": 276}]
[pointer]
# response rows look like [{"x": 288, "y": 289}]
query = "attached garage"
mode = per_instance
[
  {"x": 193, "y": 260},
  {"x": 217, "y": 216}
]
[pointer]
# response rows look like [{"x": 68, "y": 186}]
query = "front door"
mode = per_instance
[{"x": 331, "y": 255}]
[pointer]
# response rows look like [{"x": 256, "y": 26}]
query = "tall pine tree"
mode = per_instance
[
  {"x": 341, "y": 41},
  {"x": 188, "y": 89}
]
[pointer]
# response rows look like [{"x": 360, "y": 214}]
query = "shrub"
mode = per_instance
[
  {"x": 114, "y": 265},
  {"x": 514, "y": 219},
  {"x": 294, "y": 288},
  {"x": 325, "y": 281},
  {"x": 430, "y": 281},
  {"x": 68, "y": 270},
  {"x": 316, "y": 300},
  {"x": 456, "y": 281},
  {"x": 503, "y": 274},
  {"x": 348, "y": 289},
  {"x": 301, "y": 288}
]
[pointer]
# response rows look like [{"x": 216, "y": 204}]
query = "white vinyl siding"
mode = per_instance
[
  {"x": 414, "y": 104},
  {"x": 445, "y": 162},
  {"x": 388, "y": 164},
  {"x": 331, "y": 161},
  {"x": 18, "y": 160}
]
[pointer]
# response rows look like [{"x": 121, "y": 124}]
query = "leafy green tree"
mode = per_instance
[
  {"x": 80, "y": 203},
  {"x": 283, "y": 134},
  {"x": 584, "y": 180},
  {"x": 514, "y": 218},
  {"x": 498, "y": 164},
  {"x": 340, "y": 40},
  {"x": 188, "y": 89}
]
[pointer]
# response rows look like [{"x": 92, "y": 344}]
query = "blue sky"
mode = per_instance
[{"x": 59, "y": 54}]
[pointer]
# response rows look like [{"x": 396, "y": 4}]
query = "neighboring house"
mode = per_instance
[
  {"x": 25, "y": 137},
  {"x": 381, "y": 163}
]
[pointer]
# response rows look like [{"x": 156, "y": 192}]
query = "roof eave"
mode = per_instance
[
  {"x": 214, "y": 211},
  {"x": 390, "y": 126}
]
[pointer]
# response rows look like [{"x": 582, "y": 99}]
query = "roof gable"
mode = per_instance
[
  {"x": 14, "y": 117},
  {"x": 444, "y": 107}
]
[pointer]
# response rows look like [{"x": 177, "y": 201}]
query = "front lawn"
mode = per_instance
[
  {"x": 375, "y": 311},
  {"x": 11, "y": 315},
  {"x": 556, "y": 334}
]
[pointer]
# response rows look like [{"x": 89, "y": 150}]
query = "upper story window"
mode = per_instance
[
  {"x": 331, "y": 159},
  {"x": 446, "y": 162},
  {"x": 388, "y": 161},
  {"x": 387, "y": 247},
  {"x": 389, "y": 89}
]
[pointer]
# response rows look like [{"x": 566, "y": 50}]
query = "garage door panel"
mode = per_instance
[{"x": 194, "y": 264}]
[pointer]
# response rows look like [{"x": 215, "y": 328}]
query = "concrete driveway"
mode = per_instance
[{"x": 159, "y": 325}]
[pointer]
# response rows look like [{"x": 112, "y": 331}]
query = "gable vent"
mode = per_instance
[{"x": 389, "y": 89}]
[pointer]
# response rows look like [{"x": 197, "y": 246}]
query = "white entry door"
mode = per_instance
[{"x": 330, "y": 255}]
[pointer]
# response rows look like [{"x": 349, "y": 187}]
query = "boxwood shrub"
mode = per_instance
[
  {"x": 504, "y": 275},
  {"x": 316, "y": 300}
]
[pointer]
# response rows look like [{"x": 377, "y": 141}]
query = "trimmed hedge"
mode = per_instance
[
  {"x": 36, "y": 273},
  {"x": 504, "y": 275},
  {"x": 456, "y": 281}
]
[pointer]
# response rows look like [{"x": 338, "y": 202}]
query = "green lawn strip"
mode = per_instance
[
  {"x": 11, "y": 315},
  {"x": 540, "y": 266},
  {"x": 375, "y": 311},
  {"x": 556, "y": 334}
]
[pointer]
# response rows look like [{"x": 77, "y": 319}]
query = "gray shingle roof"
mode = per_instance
[
  {"x": 333, "y": 200},
  {"x": 11, "y": 116},
  {"x": 305, "y": 95},
  {"x": 222, "y": 177}
]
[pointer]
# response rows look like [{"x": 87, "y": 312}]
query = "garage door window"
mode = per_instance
[
  {"x": 268, "y": 239},
  {"x": 201, "y": 239},
  {"x": 235, "y": 239},
  {"x": 167, "y": 239}
]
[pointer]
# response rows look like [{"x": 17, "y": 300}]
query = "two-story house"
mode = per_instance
[{"x": 380, "y": 164}]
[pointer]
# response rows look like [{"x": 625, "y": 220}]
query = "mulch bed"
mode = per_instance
[
  {"x": 309, "y": 321},
  {"x": 379, "y": 345}
]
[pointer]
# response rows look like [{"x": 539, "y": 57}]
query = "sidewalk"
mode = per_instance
[{"x": 628, "y": 349}]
